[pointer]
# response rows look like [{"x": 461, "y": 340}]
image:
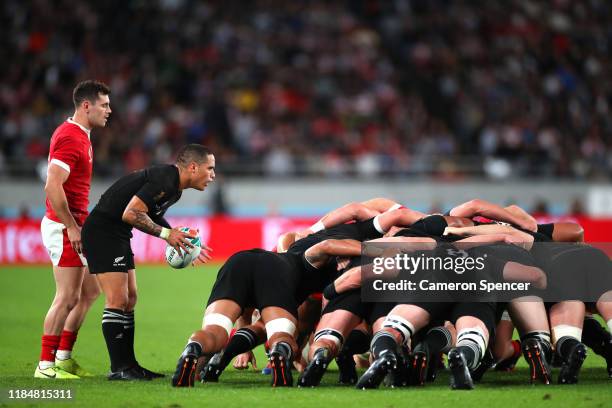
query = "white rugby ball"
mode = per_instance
[{"x": 180, "y": 259}]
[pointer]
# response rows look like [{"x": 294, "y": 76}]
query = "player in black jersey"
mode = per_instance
[
  {"x": 323, "y": 268},
  {"x": 271, "y": 282},
  {"x": 138, "y": 200},
  {"x": 474, "y": 321},
  {"x": 570, "y": 269}
]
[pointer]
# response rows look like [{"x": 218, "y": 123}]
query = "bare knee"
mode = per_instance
[
  {"x": 117, "y": 301},
  {"x": 90, "y": 295},
  {"x": 66, "y": 300},
  {"x": 131, "y": 301}
]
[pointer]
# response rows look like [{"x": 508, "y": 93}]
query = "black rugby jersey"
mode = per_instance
[{"x": 157, "y": 186}]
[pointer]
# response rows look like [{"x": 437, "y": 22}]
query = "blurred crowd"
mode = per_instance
[{"x": 443, "y": 88}]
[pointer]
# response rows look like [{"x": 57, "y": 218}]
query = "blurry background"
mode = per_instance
[{"x": 308, "y": 105}]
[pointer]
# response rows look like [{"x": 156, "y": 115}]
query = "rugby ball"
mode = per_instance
[{"x": 180, "y": 259}]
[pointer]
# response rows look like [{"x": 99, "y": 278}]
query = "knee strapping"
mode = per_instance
[
  {"x": 473, "y": 336},
  {"x": 565, "y": 330},
  {"x": 330, "y": 334},
  {"x": 218, "y": 319},
  {"x": 280, "y": 325},
  {"x": 401, "y": 325}
]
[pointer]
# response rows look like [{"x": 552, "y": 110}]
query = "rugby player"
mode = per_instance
[
  {"x": 570, "y": 268},
  {"x": 274, "y": 283},
  {"x": 67, "y": 188},
  {"x": 137, "y": 200}
]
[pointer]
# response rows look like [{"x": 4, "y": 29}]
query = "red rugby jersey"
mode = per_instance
[{"x": 71, "y": 150}]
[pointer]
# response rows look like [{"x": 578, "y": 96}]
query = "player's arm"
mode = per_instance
[
  {"x": 161, "y": 220},
  {"x": 402, "y": 217},
  {"x": 136, "y": 214},
  {"x": 349, "y": 280},
  {"x": 54, "y": 188},
  {"x": 522, "y": 239},
  {"x": 517, "y": 272},
  {"x": 484, "y": 229},
  {"x": 567, "y": 232},
  {"x": 491, "y": 211},
  {"x": 381, "y": 205},
  {"x": 521, "y": 214},
  {"x": 319, "y": 254},
  {"x": 410, "y": 244},
  {"x": 348, "y": 212}
]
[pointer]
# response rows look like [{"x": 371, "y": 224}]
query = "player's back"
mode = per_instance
[
  {"x": 114, "y": 200},
  {"x": 360, "y": 231}
]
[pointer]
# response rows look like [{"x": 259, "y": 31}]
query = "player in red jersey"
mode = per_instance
[{"x": 67, "y": 190}]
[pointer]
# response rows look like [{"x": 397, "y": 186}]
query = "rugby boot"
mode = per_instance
[
  {"x": 213, "y": 369},
  {"x": 184, "y": 375},
  {"x": 571, "y": 367},
  {"x": 377, "y": 371},
  {"x": 347, "y": 373},
  {"x": 539, "y": 370},
  {"x": 280, "y": 362},
  {"x": 313, "y": 373},
  {"x": 460, "y": 378}
]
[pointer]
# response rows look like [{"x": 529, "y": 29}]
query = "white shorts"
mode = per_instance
[{"x": 55, "y": 239}]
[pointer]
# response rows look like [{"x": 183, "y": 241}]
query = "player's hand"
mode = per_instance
[
  {"x": 74, "y": 236},
  {"x": 179, "y": 239},
  {"x": 302, "y": 234},
  {"x": 241, "y": 362},
  {"x": 204, "y": 255},
  {"x": 342, "y": 262},
  {"x": 529, "y": 225}
]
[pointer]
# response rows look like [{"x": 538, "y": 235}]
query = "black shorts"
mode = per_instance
[
  {"x": 579, "y": 272},
  {"x": 452, "y": 311},
  {"x": 351, "y": 302},
  {"x": 106, "y": 245},
  {"x": 260, "y": 279}
]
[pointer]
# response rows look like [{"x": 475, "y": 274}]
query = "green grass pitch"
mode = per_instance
[{"x": 170, "y": 307}]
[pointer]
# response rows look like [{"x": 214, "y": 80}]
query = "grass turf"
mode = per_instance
[{"x": 170, "y": 307}]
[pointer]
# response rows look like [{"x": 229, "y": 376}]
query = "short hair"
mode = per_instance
[
  {"x": 192, "y": 153},
  {"x": 89, "y": 90}
]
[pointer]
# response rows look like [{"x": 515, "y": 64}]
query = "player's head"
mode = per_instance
[
  {"x": 91, "y": 100},
  {"x": 197, "y": 164}
]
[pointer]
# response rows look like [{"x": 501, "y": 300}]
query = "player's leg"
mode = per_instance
[
  {"x": 67, "y": 291},
  {"x": 243, "y": 340},
  {"x": 281, "y": 326},
  {"x": 474, "y": 322},
  {"x": 218, "y": 321},
  {"x": 566, "y": 319},
  {"x": 503, "y": 349},
  {"x": 427, "y": 353},
  {"x": 356, "y": 345},
  {"x": 472, "y": 342},
  {"x": 231, "y": 292},
  {"x": 600, "y": 270},
  {"x": 398, "y": 327},
  {"x": 63, "y": 358},
  {"x": 117, "y": 325},
  {"x": 328, "y": 340},
  {"x": 531, "y": 320}
]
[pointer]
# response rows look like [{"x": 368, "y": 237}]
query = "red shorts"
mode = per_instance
[{"x": 55, "y": 239}]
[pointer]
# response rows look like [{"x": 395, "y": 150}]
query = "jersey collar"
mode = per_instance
[{"x": 83, "y": 128}]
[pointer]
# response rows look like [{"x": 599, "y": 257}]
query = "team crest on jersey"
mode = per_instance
[{"x": 159, "y": 196}]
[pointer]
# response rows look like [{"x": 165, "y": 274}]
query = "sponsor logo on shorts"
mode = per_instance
[{"x": 118, "y": 260}]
